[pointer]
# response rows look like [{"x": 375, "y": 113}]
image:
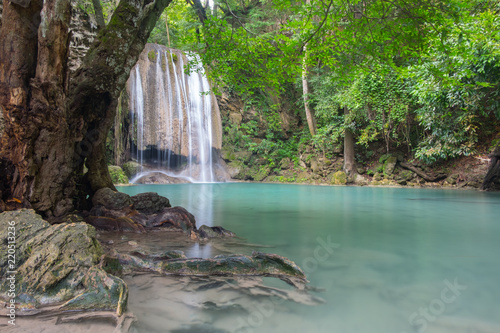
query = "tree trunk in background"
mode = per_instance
[
  {"x": 51, "y": 128},
  {"x": 311, "y": 120},
  {"x": 99, "y": 16},
  {"x": 349, "y": 163}
]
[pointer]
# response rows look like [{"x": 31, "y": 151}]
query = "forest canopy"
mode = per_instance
[{"x": 420, "y": 74}]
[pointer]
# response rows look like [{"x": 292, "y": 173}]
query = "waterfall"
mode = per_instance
[
  {"x": 176, "y": 122},
  {"x": 137, "y": 102}
]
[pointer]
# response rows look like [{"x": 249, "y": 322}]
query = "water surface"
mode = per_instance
[{"x": 379, "y": 260}]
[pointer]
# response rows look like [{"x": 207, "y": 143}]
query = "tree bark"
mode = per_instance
[
  {"x": 200, "y": 10},
  {"x": 18, "y": 54},
  {"x": 349, "y": 162},
  {"x": 99, "y": 16},
  {"x": 311, "y": 120},
  {"x": 53, "y": 128}
]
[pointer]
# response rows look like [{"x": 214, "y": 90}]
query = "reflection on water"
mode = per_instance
[{"x": 384, "y": 260}]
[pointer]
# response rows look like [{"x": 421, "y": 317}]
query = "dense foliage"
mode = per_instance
[{"x": 420, "y": 76}]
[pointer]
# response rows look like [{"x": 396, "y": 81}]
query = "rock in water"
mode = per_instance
[
  {"x": 258, "y": 264},
  {"x": 214, "y": 232},
  {"x": 111, "y": 200},
  {"x": 116, "y": 211},
  {"x": 56, "y": 264}
]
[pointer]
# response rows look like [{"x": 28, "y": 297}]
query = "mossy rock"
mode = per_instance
[
  {"x": 404, "y": 176},
  {"x": 384, "y": 158},
  {"x": 303, "y": 177},
  {"x": 228, "y": 155},
  {"x": 236, "y": 169},
  {"x": 258, "y": 173},
  {"x": 452, "y": 179},
  {"x": 378, "y": 176},
  {"x": 57, "y": 264},
  {"x": 152, "y": 56},
  {"x": 131, "y": 168},
  {"x": 390, "y": 165},
  {"x": 383, "y": 182},
  {"x": 339, "y": 178},
  {"x": 163, "y": 63},
  {"x": 117, "y": 175}
]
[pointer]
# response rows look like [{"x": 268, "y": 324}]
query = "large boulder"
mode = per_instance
[
  {"x": 150, "y": 202},
  {"x": 338, "y": 178},
  {"x": 55, "y": 265},
  {"x": 111, "y": 199},
  {"x": 390, "y": 165},
  {"x": 116, "y": 211},
  {"x": 117, "y": 175}
]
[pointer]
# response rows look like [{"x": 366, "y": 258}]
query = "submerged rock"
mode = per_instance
[
  {"x": 258, "y": 264},
  {"x": 214, "y": 232},
  {"x": 56, "y": 264}
]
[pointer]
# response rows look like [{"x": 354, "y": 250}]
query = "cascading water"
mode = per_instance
[
  {"x": 176, "y": 121},
  {"x": 137, "y": 102}
]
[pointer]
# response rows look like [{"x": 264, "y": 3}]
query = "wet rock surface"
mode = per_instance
[
  {"x": 258, "y": 264},
  {"x": 214, "y": 232},
  {"x": 116, "y": 211}
]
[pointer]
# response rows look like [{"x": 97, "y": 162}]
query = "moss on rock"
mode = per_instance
[
  {"x": 56, "y": 264},
  {"x": 152, "y": 56},
  {"x": 117, "y": 175},
  {"x": 339, "y": 178},
  {"x": 131, "y": 168}
]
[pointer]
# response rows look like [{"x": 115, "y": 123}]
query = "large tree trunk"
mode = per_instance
[
  {"x": 18, "y": 54},
  {"x": 53, "y": 128}
]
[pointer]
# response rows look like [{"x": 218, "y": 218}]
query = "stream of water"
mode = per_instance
[{"x": 379, "y": 260}]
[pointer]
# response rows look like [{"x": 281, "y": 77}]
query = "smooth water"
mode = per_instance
[{"x": 383, "y": 260}]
